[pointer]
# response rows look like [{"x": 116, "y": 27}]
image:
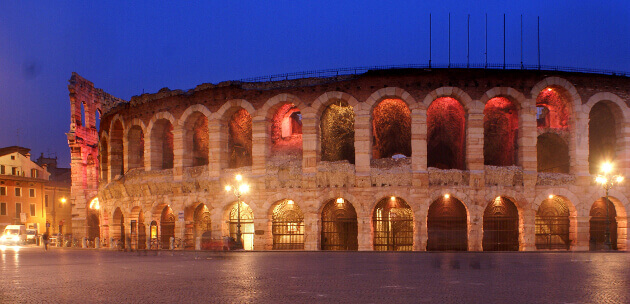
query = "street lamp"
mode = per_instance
[
  {"x": 607, "y": 180},
  {"x": 238, "y": 190}
]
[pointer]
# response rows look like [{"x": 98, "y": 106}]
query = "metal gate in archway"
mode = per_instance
[
  {"x": 500, "y": 226},
  {"x": 247, "y": 224},
  {"x": 393, "y": 225},
  {"x": 339, "y": 226},
  {"x": 94, "y": 229},
  {"x": 447, "y": 225},
  {"x": 287, "y": 226},
  {"x": 598, "y": 223},
  {"x": 552, "y": 225}
]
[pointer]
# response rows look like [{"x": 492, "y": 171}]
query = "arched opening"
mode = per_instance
[
  {"x": 97, "y": 119},
  {"x": 337, "y": 132},
  {"x": 247, "y": 224},
  {"x": 202, "y": 223},
  {"x": 446, "y": 134},
  {"x": 500, "y": 225},
  {"x": 286, "y": 131},
  {"x": 82, "y": 122},
  {"x": 552, "y": 153},
  {"x": 447, "y": 225},
  {"x": 392, "y": 222},
  {"x": 94, "y": 226},
  {"x": 602, "y": 216},
  {"x": 391, "y": 129},
  {"x": 162, "y": 145},
  {"x": 167, "y": 226},
  {"x": 339, "y": 226},
  {"x": 240, "y": 139},
  {"x": 552, "y": 224},
  {"x": 500, "y": 131},
  {"x": 116, "y": 156},
  {"x": 552, "y": 108},
  {"x": 287, "y": 226},
  {"x": 196, "y": 140},
  {"x": 135, "y": 153},
  {"x": 154, "y": 235},
  {"x": 104, "y": 159},
  {"x": 118, "y": 227},
  {"x": 602, "y": 138}
]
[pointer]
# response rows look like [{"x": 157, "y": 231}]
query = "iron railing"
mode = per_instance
[{"x": 326, "y": 73}]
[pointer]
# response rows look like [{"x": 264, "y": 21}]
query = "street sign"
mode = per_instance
[{"x": 181, "y": 215}]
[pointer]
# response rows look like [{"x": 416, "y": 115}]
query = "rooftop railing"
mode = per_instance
[{"x": 490, "y": 66}]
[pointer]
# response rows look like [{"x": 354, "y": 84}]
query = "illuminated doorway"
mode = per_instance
[
  {"x": 393, "y": 225},
  {"x": 287, "y": 226},
  {"x": 247, "y": 225},
  {"x": 339, "y": 226},
  {"x": 500, "y": 226}
]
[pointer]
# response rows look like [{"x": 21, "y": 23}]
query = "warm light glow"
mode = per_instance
[
  {"x": 550, "y": 196},
  {"x": 340, "y": 200},
  {"x": 63, "y": 200},
  {"x": 239, "y": 177},
  {"x": 607, "y": 167},
  {"x": 601, "y": 179},
  {"x": 243, "y": 188},
  {"x": 549, "y": 89},
  {"x": 619, "y": 179},
  {"x": 228, "y": 188},
  {"x": 94, "y": 204},
  {"x": 393, "y": 198},
  {"x": 447, "y": 195},
  {"x": 290, "y": 202}
]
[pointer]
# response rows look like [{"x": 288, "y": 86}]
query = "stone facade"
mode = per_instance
[{"x": 147, "y": 148}]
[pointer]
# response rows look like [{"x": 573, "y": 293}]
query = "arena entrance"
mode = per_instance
[
  {"x": 339, "y": 226},
  {"x": 598, "y": 224},
  {"x": 447, "y": 225},
  {"x": 287, "y": 226},
  {"x": 202, "y": 224},
  {"x": 247, "y": 225},
  {"x": 552, "y": 224},
  {"x": 167, "y": 227},
  {"x": 500, "y": 226},
  {"x": 94, "y": 228},
  {"x": 393, "y": 225}
]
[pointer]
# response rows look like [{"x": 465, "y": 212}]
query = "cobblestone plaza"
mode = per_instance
[{"x": 32, "y": 275}]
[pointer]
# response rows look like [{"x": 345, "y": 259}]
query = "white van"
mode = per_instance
[{"x": 13, "y": 235}]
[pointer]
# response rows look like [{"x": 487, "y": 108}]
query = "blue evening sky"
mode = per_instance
[{"x": 127, "y": 47}]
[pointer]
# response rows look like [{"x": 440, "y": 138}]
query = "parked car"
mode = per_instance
[{"x": 31, "y": 236}]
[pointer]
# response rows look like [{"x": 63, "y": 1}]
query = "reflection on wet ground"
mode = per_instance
[{"x": 33, "y": 275}]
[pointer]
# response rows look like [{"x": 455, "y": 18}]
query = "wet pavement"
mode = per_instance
[{"x": 32, "y": 275}]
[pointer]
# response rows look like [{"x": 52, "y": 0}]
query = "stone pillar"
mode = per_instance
[
  {"x": 474, "y": 148},
  {"x": 311, "y": 235},
  {"x": 216, "y": 154},
  {"x": 364, "y": 225},
  {"x": 475, "y": 228},
  {"x": 262, "y": 241},
  {"x": 362, "y": 146},
  {"x": 420, "y": 235},
  {"x": 179, "y": 160},
  {"x": 419, "y": 148},
  {"x": 260, "y": 145},
  {"x": 580, "y": 235},
  {"x": 528, "y": 233},
  {"x": 309, "y": 150},
  {"x": 527, "y": 153},
  {"x": 578, "y": 149}
]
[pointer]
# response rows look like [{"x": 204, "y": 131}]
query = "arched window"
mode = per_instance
[
  {"x": 196, "y": 140},
  {"x": 500, "y": 131},
  {"x": 337, "y": 132},
  {"x": 162, "y": 145},
  {"x": 286, "y": 131},
  {"x": 552, "y": 153},
  {"x": 240, "y": 139},
  {"x": 391, "y": 129},
  {"x": 135, "y": 151},
  {"x": 602, "y": 136},
  {"x": 446, "y": 134}
]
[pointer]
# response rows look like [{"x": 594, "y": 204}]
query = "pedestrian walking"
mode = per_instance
[{"x": 45, "y": 239}]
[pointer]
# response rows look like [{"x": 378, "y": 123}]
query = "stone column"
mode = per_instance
[
  {"x": 580, "y": 235},
  {"x": 474, "y": 147},
  {"x": 260, "y": 145},
  {"x": 578, "y": 149},
  {"x": 420, "y": 237},
  {"x": 362, "y": 146},
  {"x": 527, "y": 138},
  {"x": 419, "y": 148},
  {"x": 475, "y": 230},
  {"x": 364, "y": 225},
  {"x": 528, "y": 233},
  {"x": 215, "y": 150},
  {"x": 311, "y": 235},
  {"x": 178, "y": 152},
  {"x": 309, "y": 150}
]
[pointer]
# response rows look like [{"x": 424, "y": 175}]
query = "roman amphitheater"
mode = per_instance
[{"x": 394, "y": 159}]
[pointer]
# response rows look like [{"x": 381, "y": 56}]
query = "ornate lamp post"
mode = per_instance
[
  {"x": 607, "y": 180},
  {"x": 238, "y": 190}
]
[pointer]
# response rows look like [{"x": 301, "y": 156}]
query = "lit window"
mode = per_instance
[
  {"x": 292, "y": 227},
  {"x": 18, "y": 191}
]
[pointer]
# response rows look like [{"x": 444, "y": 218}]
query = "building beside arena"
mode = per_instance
[{"x": 396, "y": 159}]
